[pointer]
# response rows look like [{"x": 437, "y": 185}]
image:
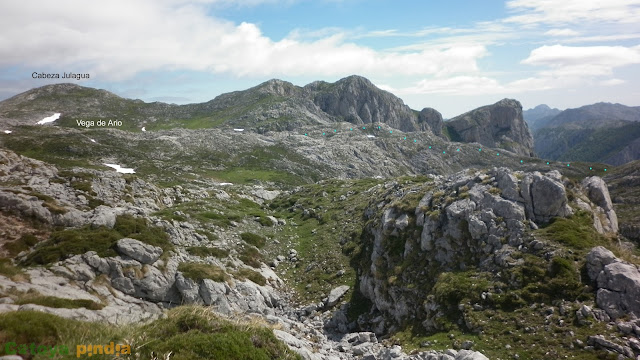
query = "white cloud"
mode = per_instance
[
  {"x": 583, "y": 61},
  {"x": 602, "y": 38},
  {"x": 563, "y": 67},
  {"x": 573, "y": 11},
  {"x": 562, "y": 32},
  {"x": 171, "y": 35},
  {"x": 612, "y": 82},
  {"x": 455, "y": 85}
]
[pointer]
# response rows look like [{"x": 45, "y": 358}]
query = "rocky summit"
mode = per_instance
[
  {"x": 498, "y": 125},
  {"x": 323, "y": 222}
]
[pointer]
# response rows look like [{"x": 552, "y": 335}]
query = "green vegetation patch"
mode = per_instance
[
  {"x": 204, "y": 251},
  {"x": 575, "y": 231},
  {"x": 250, "y": 256},
  {"x": 56, "y": 302},
  {"x": 25, "y": 242},
  {"x": 188, "y": 332},
  {"x": 199, "y": 271},
  {"x": 327, "y": 236},
  {"x": 253, "y": 239},
  {"x": 65, "y": 243},
  {"x": 249, "y": 274},
  {"x": 50, "y": 203},
  {"x": 13, "y": 272}
]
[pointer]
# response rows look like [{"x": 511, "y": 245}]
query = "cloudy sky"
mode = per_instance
[{"x": 452, "y": 55}]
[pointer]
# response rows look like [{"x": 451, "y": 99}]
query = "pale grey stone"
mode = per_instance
[{"x": 136, "y": 249}]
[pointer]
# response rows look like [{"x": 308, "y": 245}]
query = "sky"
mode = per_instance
[{"x": 452, "y": 55}]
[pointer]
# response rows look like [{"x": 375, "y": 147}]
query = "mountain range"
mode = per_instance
[
  {"x": 322, "y": 222},
  {"x": 603, "y": 132}
]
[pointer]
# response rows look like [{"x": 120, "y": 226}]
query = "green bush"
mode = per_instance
[
  {"x": 188, "y": 332},
  {"x": 196, "y": 333},
  {"x": 65, "y": 243},
  {"x": 576, "y": 231},
  {"x": 25, "y": 242},
  {"x": 8, "y": 269},
  {"x": 204, "y": 251},
  {"x": 200, "y": 271},
  {"x": 253, "y": 239},
  {"x": 250, "y": 256},
  {"x": 252, "y": 275},
  {"x": 56, "y": 302}
]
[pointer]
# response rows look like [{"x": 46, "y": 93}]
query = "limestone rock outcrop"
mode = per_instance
[
  {"x": 500, "y": 125},
  {"x": 618, "y": 283},
  {"x": 466, "y": 220}
]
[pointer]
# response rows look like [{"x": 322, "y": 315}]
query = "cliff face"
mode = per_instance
[
  {"x": 499, "y": 125},
  {"x": 356, "y": 100},
  {"x": 443, "y": 253}
]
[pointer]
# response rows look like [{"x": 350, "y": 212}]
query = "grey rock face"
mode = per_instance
[
  {"x": 189, "y": 289},
  {"x": 336, "y": 294},
  {"x": 468, "y": 220},
  {"x": 103, "y": 216},
  {"x": 430, "y": 119},
  {"x": 598, "y": 193},
  {"x": 136, "y": 249},
  {"x": 597, "y": 259},
  {"x": 618, "y": 283},
  {"x": 544, "y": 197},
  {"x": 356, "y": 100},
  {"x": 549, "y": 199},
  {"x": 499, "y": 125}
]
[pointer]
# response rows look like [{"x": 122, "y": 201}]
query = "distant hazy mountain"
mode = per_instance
[
  {"x": 539, "y": 115},
  {"x": 602, "y": 132}
]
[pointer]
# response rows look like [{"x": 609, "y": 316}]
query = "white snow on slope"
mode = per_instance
[
  {"x": 120, "y": 169},
  {"x": 370, "y": 136},
  {"x": 92, "y": 140},
  {"x": 143, "y": 129},
  {"x": 238, "y": 130},
  {"x": 49, "y": 119},
  {"x": 8, "y": 131}
]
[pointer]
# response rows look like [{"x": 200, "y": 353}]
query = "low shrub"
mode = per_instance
[{"x": 200, "y": 271}]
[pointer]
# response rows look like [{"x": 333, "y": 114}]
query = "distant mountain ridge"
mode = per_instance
[
  {"x": 272, "y": 105},
  {"x": 601, "y": 132},
  {"x": 538, "y": 116}
]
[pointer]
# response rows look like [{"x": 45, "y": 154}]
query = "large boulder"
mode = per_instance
[
  {"x": 336, "y": 294},
  {"x": 137, "y": 250},
  {"x": 618, "y": 283},
  {"x": 598, "y": 193},
  {"x": 544, "y": 197}
]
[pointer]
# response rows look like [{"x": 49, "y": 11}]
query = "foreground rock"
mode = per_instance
[
  {"x": 463, "y": 221},
  {"x": 618, "y": 283}
]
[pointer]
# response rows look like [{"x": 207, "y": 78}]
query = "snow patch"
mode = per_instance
[
  {"x": 143, "y": 129},
  {"x": 238, "y": 130},
  {"x": 225, "y": 184},
  {"x": 49, "y": 119},
  {"x": 370, "y": 136},
  {"x": 120, "y": 169},
  {"x": 8, "y": 131},
  {"x": 92, "y": 140}
]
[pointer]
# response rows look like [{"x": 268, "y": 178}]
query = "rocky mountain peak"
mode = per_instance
[
  {"x": 278, "y": 87},
  {"x": 498, "y": 125},
  {"x": 356, "y": 100},
  {"x": 430, "y": 119}
]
